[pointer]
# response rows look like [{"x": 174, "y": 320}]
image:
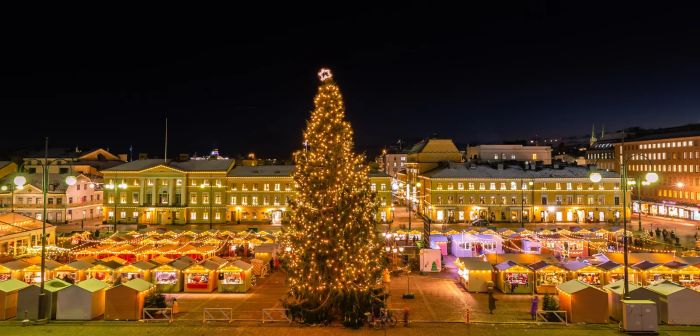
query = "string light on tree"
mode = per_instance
[{"x": 333, "y": 261}]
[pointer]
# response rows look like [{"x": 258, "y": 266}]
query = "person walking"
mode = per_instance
[
  {"x": 492, "y": 303},
  {"x": 534, "y": 306}
]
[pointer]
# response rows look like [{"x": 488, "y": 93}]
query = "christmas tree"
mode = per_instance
[{"x": 332, "y": 255}]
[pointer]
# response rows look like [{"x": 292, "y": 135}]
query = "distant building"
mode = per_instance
[
  {"x": 62, "y": 161},
  {"x": 394, "y": 161},
  {"x": 446, "y": 190},
  {"x": 64, "y": 203},
  {"x": 520, "y": 153},
  {"x": 7, "y": 168}
]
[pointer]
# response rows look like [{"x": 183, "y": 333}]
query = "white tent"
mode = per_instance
[
  {"x": 83, "y": 301},
  {"x": 472, "y": 245}
]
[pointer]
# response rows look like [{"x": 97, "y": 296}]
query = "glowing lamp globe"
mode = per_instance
[
  {"x": 122, "y": 185},
  {"x": 91, "y": 185},
  {"x": 4, "y": 188},
  {"x": 652, "y": 177},
  {"x": 596, "y": 177},
  {"x": 387, "y": 248},
  {"x": 20, "y": 181},
  {"x": 71, "y": 180}
]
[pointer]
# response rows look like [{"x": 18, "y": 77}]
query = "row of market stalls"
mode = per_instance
[
  {"x": 585, "y": 303},
  {"x": 541, "y": 273},
  {"x": 562, "y": 243},
  {"x": 169, "y": 275}
]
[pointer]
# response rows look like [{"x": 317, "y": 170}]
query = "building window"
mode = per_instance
[
  {"x": 460, "y": 199},
  {"x": 244, "y": 200},
  {"x": 373, "y": 187},
  {"x": 277, "y": 187},
  {"x": 217, "y": 216},
  {"x": 193, "y": 215},
  {"x": 233, "y": 200},
  {"x": 276, "y": 200},
  {"x": 234, "y": 187},
  {"x": 205, "y": 215},
  {"x": 217, "y": 198},
  {"x": 439, "y": 200},
  {"x": 164, "y": 198},
  {"x": 617, "y": 200},
  {"x": 134, "y": 197},
  {"x": 513, "y": 186},
  {"x": 255, "y": 200},
  {"x": 471, "y": 186},
  {"x": 544, "y": 199},
  {"x": 266, "y": 187},
  {"x": 122, "y": 197},
  {"x": 492, "y": 186},
  {"x": 193, "y": 198},
  {"x": 460, "y": 186},
  {"x": 122, "y": 214},
  {"x": 205, "y": 198},
  {"x": 503, "y": 186},
  {"x": 382, "y": 187}
]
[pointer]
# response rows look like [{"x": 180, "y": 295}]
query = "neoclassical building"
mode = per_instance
[
  {"x": 209, "y": 191},
  {"x": 444, "y": 189}
]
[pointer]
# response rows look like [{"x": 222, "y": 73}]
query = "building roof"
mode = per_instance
[
  {"x": 684, "y": 131},
  {"x": 573, "y": 286},
  {"x": 266, "y": 248},
  {"x": 475, "y": 264},
  {"x": 633, "y": 258},
  {"x": 542, "y": 264},
  {"x": 144, "y": 265},
  {"x": 242, "y": 265},
  {"x": 268, "y": 171},
  {"x": 377, "y": 173},
  {"x": 463, "y": 170},
  {"x": 520, "y": 258},
  {"x": 665, "y": 288},
  {"x": 81, "y": 265},
  {"x": 608, "y": 265},
  {"x": 16, "y": 265},
  {"x": 618, "y": 287},
  {"x": 644, "y": 265},
  {"x": 575, "y": 265},
  {"x": 138, "y": 284},
  {"x": 3, "y": 164},
  {"x": 55, "y": 285},
  {"x": 505, "y": 265},
  {"x": 191, "y": 165},
  {"x": 92, "y": 285},
  {"x": 675, "y": 264},
  {"x": 12, "y": 285},
  {"x": 13, "y": 223}
]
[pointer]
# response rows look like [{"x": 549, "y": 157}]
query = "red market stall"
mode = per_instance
[
  {"x": 125, "y": 302},
  {"x": 547, "y": 277},
  {"x": 583, "y": 302},
  {"x": 9, "y": 290}
]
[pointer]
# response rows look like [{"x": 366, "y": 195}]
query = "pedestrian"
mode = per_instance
[
  {"x": 492, "y": 303},
  {"x": 534, "y": 306}
]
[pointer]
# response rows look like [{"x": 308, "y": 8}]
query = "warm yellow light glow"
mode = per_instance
[
  {"x": 71, "y": 180},
  {"x": 680, "y": 184},
  {"x": 596, "y": 177},
  {"x": 652, "y": 177}
]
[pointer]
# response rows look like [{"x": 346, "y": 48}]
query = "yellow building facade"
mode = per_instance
[
  {"x": 209, "y": 191},
  {"x": 443, "y": 188}
]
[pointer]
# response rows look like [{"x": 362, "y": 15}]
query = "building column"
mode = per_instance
[
  {"x": 142, "y": 191},
  {"x": 155, "y": 192},
  {"x": 171, "y": 191},
  {"x": 183, "y": 193}
]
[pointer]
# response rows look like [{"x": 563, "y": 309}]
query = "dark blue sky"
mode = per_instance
[{"x": 243, "y": 79}]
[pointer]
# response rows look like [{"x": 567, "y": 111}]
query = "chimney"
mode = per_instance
[
  {"x": 123, "y": 157},
  {"x": 143, "y": 156},
  {"x": 183, "y": 157}
]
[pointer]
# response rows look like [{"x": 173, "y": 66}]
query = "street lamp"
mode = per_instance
[
  {"x": 20, "y": 181},
  {"x": 651, "y": 177}
]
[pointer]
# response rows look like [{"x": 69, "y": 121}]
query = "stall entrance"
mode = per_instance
[{"x": 276, "y": 217}]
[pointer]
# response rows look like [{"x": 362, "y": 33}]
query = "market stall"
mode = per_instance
[
  {"x": 83, "y": 301},
  {"x": 583, "y": 302},
  {"x": 136, "y": 270},
  {"x": 235, "y": 277},
  {"x": 80, "y": 266},
  {"x": 650, "y": 272},
  {"x": 66, "y": 273},
  {"x": 585, "y": 272},
  {"x": 430, "y": 260},
  {"x": 615, "y": 292},
  {"x": 512, "y": 278},
  {"x": 260, "y": 268},
  {"x": 102, "y": 272},
  {"x": 531, "y": 246},
  {"x": 168, "y": 278},
  {"x": 439, "y": 241},
  {"x": 32, "y": 274},
  {"x": 266, "y": 252},
  {"x": 547, "y": 276},
  {"x": 28, "y": 299},
  {"x": 9, "y": 290},
  {"x": 676, "y": 304},
  {"x": 6, "y": 273},
  {"x": 472, "y": 245},
  {"x": 564, "y": 246},
  {"x": 474, "y": 274},
  {"x": 201, "y": 278},
  {"x": 125, "y": 301},
  {"x": 685, "y": 274}
]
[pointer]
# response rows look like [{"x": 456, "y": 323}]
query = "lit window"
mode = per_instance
[{"x": 193, "y": 215}]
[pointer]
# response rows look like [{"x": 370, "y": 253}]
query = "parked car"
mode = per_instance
[{"x": 480, "y": 223}]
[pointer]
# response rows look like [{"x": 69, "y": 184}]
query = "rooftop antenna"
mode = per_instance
[
  {"x": 131, "y": 153},
  {"x": 165, "y": 157}
]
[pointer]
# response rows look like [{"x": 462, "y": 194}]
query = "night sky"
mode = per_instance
[{"x": 243, "y": 79}]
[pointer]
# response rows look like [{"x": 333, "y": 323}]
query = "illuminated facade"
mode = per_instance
[
  {"x": 167, "y": 192},
  {"x": 676, "y": 160},
  {"x": 445, "y": 189},
  {"x": 209, "y": 191}
]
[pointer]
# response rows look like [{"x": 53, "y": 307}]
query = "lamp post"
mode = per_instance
[
  {"x": 651, "y": 177},
  {"x": 20, "y": 181}
]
